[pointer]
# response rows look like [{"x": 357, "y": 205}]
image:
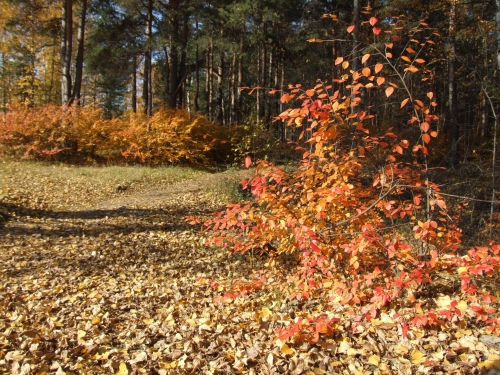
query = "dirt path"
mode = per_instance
[
  {"x": 122, "y": 287},
  {"x": 204, "y": 183},
  {"x": 121, "y": 284}
]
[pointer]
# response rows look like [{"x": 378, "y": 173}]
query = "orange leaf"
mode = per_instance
[
  {"x": 406, "y": 58},
  {"x": 389, "y": 91},
  {"x": 285, "y": 98},
  {"x": 365, "y": 58},
  {"x": 388, "y": 55},
  {"x": 310, "y": 92},
  {"x": 410, "y": 50},
  {"x": 248, "y": 162},
  {"x": 426, "y": 137},
  {"x": 425, "y": 127},
  {"x": 377, "y": 30},
  {"x": 345, "y": 64},
  {"x": 420, "y": 61},
  {"x": 366, "y": 72},
  {"x": 378, "y": 67},
  {"x": 338, "y": 60},
  {"x": 441, "y": 203},
  {"x": 403, "y": 103},
  {"x": 350, "y": 29},
  {"x": 430, "y": 94},
  {"x": 373, "y": 21},
  {"x": 380, "y": 80}
]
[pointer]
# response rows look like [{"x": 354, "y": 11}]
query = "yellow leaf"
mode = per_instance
[
  {"x": 285, "y": 349},
  {"x": 352, "y": 352},
  {"x": 81, "y": 334},
  {"x": 462, "y": 270},
  {"x": 493, "y": 362},
  {"x": 96, "y": 321},
  {"x": 122, "y": 370},
  {"x": 462, "y": 306},
  {"x": 345, "y": 64},
  {"x": 416, "y": 356},
  {"x": 374, "y": 360},
  {"x": 265, "y": 312},
  {"x": 168, "y": 365}
]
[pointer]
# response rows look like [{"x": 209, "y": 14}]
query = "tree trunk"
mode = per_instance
[
  {"x": 147, "y": 97},
  {"x": 167, "y": 76},
  {"x": 66, "y": 50},
  {"x": 498, "y": 33},
  {"x": 452, "y": 86},
  {"x": 134, "y": 84},
  {"x": 219, "y": 112},
  {"x": 239, "y": 84},
  {"x": 174, "y": 53},
  {"x": 197, "y": 73},
  {"x": 232, "y": 90},
  {"x": 77, "y": 89}
]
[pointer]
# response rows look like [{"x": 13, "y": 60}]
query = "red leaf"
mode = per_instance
[
  {"x": 404, "y": 330},
  {"x": 350, "y": 29},
  {"x": 377, "y": 30},
  {"x": 373, "y": 21}
]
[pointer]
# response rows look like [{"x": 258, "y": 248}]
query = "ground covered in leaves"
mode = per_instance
[{"x": 101, "y": 274}]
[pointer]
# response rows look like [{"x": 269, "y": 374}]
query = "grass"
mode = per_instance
[{"x": 76, "y": 187}]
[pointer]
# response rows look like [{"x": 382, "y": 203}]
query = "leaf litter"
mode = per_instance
[{"x": 95, "y": 281}]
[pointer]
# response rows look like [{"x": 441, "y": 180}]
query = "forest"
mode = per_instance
[{"x": 266, "y": 186}]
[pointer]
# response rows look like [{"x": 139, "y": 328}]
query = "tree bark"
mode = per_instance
[
  {"x": 66, "y": 50},
  {"x": 497, "y": 17},
  {"x": 219, "y": 109},
  {"x": 197, "y": 73},
  {"x": 77, "y": 89},
  {"x": 452, "y": 86},
  {"x": 239, "y": 84},
  {"x": 147, "y": 97},
  {"x": 134, "y": 84},
  {"x": 174, "y": 53}
]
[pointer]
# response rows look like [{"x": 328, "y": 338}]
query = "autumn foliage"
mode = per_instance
[
  {"x": 83, "y": 134},
  {"x": 367, "y": 230}
]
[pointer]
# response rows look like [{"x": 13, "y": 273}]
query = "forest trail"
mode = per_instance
[{"x": 122, "y": 284}]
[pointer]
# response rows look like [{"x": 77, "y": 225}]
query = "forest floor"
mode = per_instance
[{"x": 100, "y": 273}]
